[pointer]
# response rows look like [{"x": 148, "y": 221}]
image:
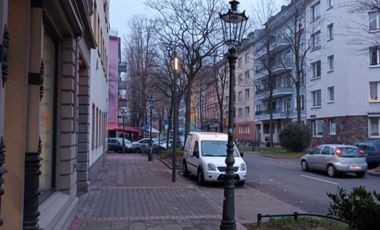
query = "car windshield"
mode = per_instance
[
  {"x": 216, "y": 148},
  {"x": 349, "y": 152}
]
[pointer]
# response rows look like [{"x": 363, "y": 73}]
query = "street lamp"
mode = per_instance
[
  {"x": 150, "y": 130},
  {"x": 175, "y": 66},
  {"x": 123, "y": 113},
  {"x": 233, "y": 25}
]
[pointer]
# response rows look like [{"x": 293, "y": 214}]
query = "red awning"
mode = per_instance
[{"x": 114, "y": 127}]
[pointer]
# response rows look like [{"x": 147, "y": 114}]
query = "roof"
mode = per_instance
[
  {"x": 115, "y": 127},
  {"x": 210, "y": 135}
]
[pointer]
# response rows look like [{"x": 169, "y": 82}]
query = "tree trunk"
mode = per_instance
[{"x": 188, "y": 108}]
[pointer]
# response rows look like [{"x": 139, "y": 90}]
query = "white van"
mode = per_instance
[{"x": 205, "y": 154}]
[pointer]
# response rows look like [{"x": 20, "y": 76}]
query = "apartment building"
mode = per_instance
[
  {"x": 275, "y": 71},
  {"x": 343, "y": 85},
  {"x": 244, "y": 129},
  {"x": 113, "y": 84}
]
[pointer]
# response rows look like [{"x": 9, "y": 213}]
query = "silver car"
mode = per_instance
[{"x": 335, "y": 158}]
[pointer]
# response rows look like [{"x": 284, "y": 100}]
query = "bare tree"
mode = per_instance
[
  {"x": 264, "y": 11},
  {"x": 220, "y": 82},
  {"x": 192, "y": 27},
  {"x": 141, "y": 59}
]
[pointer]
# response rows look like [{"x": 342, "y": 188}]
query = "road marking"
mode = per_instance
[{"x": 314, "y": 178}]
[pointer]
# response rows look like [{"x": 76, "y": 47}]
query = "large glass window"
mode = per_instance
[
  {"x": 47, "y": 116},
  {"x": 316, "y": 68},
  {"x": 374, "y": 20},
  {"x": 316, "y": 95},
  {"x": 316, "y": 13},
  {"x": 317, "y": 126},
  {"x": 374, "y": 55},
  {"x": 374, "y": 126}
]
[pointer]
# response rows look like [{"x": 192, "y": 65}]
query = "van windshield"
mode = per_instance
[{"x": 216, "y": 149}]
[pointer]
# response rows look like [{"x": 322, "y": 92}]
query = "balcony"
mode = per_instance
[
  {"x": 275, "y": 47},
  {"x": 264, "y": 115},
  {"x": 277, "y": 93},
  {"x": 276, "y": 70}
]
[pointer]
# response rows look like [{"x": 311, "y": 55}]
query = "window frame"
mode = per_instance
[
  {"x": 370, "y": 129},
  {"x": 316, "y": 11},
  {"x": 332, "y": 126},
  {"x": 317, "y": 128},
  {"x": 316, "y": 40},
  {"x": 376, "y": 50},
  {"x": 331, "y": 93},
  {"x": 314, "y": 67},
  {"x": 330, "y": 63},
  {"x": 374, "y": 85},
  {"x": 330, "y": 31},
  {"x": 376, "y": 21},
  {"x": 316, "y": 98}
]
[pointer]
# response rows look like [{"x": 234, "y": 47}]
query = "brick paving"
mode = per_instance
[{"x": 130, "y": 192}]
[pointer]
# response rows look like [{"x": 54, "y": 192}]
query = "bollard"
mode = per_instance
[
  {"x": 258, "y": 219},
  {"x": 295, "y": 216}
]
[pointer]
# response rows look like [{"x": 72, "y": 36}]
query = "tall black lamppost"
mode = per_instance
[
  {"x": 175, "y": 66},
  {"x": 150, "y": 129},
  {"x": 233, "y": 25},
  {"x": 123, "y": 113}
]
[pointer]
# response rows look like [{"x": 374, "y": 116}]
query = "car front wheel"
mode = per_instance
[
  {"x": 304, "y": 165},
  {"x": 200, "y": 178},
  {"x": 331, "y": 171},
  {"x": 185, "y": 170}
]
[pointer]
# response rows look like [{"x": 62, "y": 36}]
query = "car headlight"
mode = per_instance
[
  {"x": 243, "y": 167},
  {"x": 211, "y": 167}
]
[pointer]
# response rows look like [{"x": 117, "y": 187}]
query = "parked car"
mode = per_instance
[
  {"x": 142, "y": 145},
  {"x": 371, "y": 150},
  {"x": 116, "y": 144},
  {"x": 205, "y": 154},
  {"x": 335, "y": 158}
]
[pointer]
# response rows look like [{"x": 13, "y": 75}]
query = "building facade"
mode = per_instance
[
  {"x": 45, "y": 104},
  {"x": 343, "y": 72},
  {"x": 275, "y": 71},
  {"x": 113, "y": 85},
  {"x": 244, "y": 130}
]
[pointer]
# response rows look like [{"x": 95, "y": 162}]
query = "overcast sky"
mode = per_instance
[{"x": 121, "y": 11}]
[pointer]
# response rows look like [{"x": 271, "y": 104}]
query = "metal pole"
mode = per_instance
[
  {"x": 150, "y": 135},
  {"x": 228, "y": 221},
  {"x": 175, "y": 124},
  {"x": 123, "y": 134}
]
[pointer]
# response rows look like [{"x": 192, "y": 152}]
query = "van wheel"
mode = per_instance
[
  {"x": 360, "y": 174},
  {"x": 331, "y": 171},
  {"x": 240, "y": 183},
  {"x": 185, "y": 170},
  {"x": 200, "y": 177}
]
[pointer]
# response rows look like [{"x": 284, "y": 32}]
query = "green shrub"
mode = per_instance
[
  {"x": 295, "y": 137},
  {"x": 359, "y": 208}
]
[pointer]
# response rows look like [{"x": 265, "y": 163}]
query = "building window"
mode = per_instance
[
  {"x": 316, "y": 96},
  {"x": 317, "y": 128},
  {"x": 316, "y": 11},
  {"x": 330, "y": 32},
  {"x": 374, "y": 55},
  {"x": 316, "y": 69},
  {"x": 332, "y": 126},
  {"x": 246, "y": 58},
  {"x": 316, "y": 40},
  {"x": 240, "y": 61},
  {"x": 246, "y": 93},
  {"x": 374, "y": 20},
  {"x": 330, "y": 3},
  {"x": 244, "y": 129},
  {"x": 374, "y": 126},
  {"x": 331, "y": 93},
  {"x": 240, "y": 96},
  {"x": 330, "y": 62},
  {"x": 246, "y": 75},
  {"x": 240, "y": 78},
  {"x": 374, "y": 90},
  {"x": 258, "y": 108},
  {"x": 240, "y": 113},
  {"x": 246, "y": 112},
  {"x": 303, "y": 102}
]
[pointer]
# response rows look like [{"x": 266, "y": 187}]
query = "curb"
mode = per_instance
[{"x": 373, "y": 173}]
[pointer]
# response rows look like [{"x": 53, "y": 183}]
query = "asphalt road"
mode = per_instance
[{"x": 284, "y": 179}]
